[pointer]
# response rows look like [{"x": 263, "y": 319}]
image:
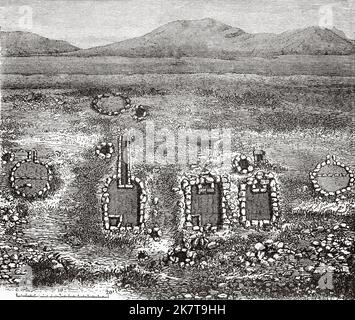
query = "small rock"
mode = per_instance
[
  {"x": 213, "y": 292},
  {"x": 348, "y": 243},
  {"x": 309, "y": 268},
  {"x": 58, "y": 266},
  {"x": 280, "y": 245},
  {"x": 345, "y": 269},
  {"x": 261, "y": 254},
  {"x": 212, "y": 245},
  {"x": 259, "y": 246}
]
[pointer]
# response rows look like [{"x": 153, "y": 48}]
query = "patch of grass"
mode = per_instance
[
  {"x": 287, "y": 121},
  {"x": 137, "y": 278}
]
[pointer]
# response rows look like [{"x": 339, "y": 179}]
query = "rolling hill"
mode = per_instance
[
  {"x": 213, "y": 39},
  {"x": 20, "y": 43}
]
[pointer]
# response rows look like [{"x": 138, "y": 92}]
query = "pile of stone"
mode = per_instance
[
  {"x": 7, "y": 157},
  {"x": 197, "y": 241},
  {"x": 9, "y": 263},
  {"x": 334, "y": 250},
  {"x": 267, "y": 252},
  {"x": 142, "y": 255},
  {"x": 243, "y": 164},
  {"x": 15, "y": 251},
  {"x": 180, "y": 255},
  {"x": 11, "y": 260},
  {"x": 331, "y": 249},
  {"x": 104, "y": 150},
  {"x": 140, "y": 112},
  {"x": 155, "y": 233},
  {"x": 11, "y": 217}
]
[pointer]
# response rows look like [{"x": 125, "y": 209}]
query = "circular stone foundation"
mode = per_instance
[
  {"x": 332, "y": 177},
  {"x": 7, "y": 157},
  {"x": 243, "y": 164},
  {"x": 140, "y": 113},
  {"x": 111, "y": 104},
  {"x": 30, "y": 179}
]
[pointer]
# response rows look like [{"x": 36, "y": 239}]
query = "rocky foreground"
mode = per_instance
[{"x": 314, "y": 262}]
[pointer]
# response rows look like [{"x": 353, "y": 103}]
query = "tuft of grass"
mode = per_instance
[{"x": 137, "y": 278}]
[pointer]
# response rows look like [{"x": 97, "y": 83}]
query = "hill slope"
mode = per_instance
[
  {"x": 19, "y": 43},
  {"x": 213, "y": 39}
]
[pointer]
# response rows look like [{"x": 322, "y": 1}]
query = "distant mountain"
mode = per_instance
[
  {"x": 214, "y": 39},
  {"x": 19, "y": 43}
]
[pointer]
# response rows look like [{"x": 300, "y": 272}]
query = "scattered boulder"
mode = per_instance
[{"x": 259, "y": 246}]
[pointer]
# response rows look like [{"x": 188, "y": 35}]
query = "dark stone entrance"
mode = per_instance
[
  {"x": 206, "y": 204},
  {"x": 258, "y": 205},
  {"x": 124, "y": 205}
]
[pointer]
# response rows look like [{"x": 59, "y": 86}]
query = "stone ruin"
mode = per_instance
[
  {"x": 207, "y": 202},
  {"x": 331, "y": 178},
  {"x": 114, "y": 104},
  {"x": 30, "y": 178},
  {"x": 111, "y": 104},
  {"x": 7, "y": 157},
  {"x": 243, "y": 164},
  {"x": 123, "y": 196},
  {"x": 259, "y": 200},
  {"x": 104, "y": 150},
  {"x": 259, "y": 156}
]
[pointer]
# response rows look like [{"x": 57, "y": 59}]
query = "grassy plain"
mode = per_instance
[{"x": 297, "y": 109}]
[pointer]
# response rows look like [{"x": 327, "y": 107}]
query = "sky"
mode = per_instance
[{"x": 93, "y": 23}]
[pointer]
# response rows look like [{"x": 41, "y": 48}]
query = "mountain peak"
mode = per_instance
[
  {"x": 204, "y": 25},
  {"x": 208, "y": 22},
  {"x": 24, "y": 43},
  {"x": 204, "y": 21},
  {"x": 210, "y": 38}
]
